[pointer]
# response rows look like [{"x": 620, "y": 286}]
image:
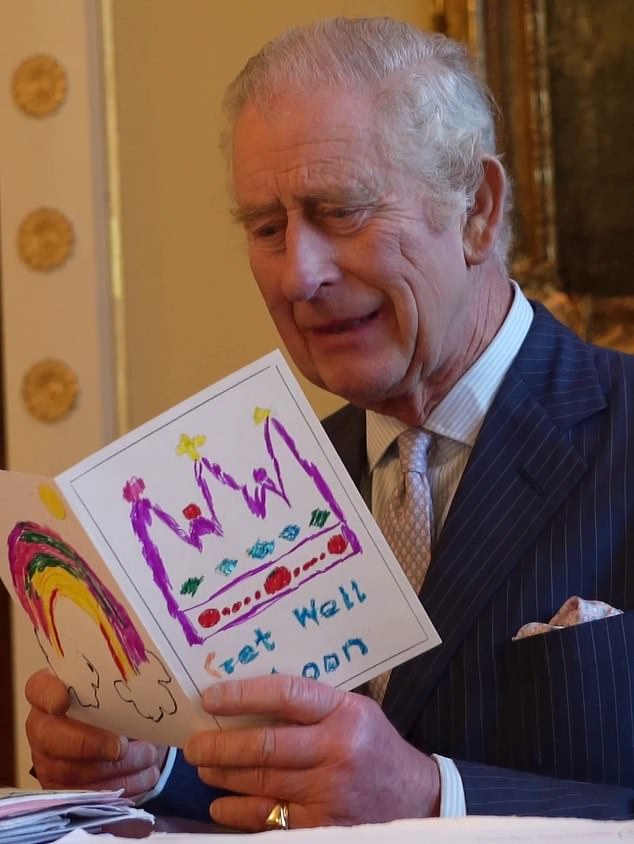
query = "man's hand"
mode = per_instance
[
  {"x": 336, "y": 759},
  {"x": 69, "y": 754}
]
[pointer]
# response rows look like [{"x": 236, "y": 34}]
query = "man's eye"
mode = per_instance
[
  {"x": 340, "y": 213},
  {"x": 268, "y": 231}
]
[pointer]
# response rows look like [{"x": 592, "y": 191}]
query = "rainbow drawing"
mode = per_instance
[{"x": 45, "y": 569}]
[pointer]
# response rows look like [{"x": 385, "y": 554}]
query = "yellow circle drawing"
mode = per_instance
[
  {"x": 45, "y": 239},
  {"x": 50, "y": 389},
  {"x": 39, "y": 86},
  {"x": 51, "y": 499}
]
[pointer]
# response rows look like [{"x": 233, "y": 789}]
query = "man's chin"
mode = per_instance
[
  {"x": 363, "y": 384},
  {"x": 370, "y": 393},
  {"x": 357, "y": 390}
]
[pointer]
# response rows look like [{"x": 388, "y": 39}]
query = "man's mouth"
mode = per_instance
[{"x": 340, "y": 326}]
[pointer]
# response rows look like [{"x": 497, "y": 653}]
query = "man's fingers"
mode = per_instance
[
  {"x": 134, "y": 784},
  {"x": 260, "y": 782},
  {"x": 282, "y": 746},
  {"x": 64, "y": 738},
  {"x": 294, "y": 699},
  {"x": 250, "y": 813},
  {"x": 137, "y": 772},
  {"x": 46, "y": 692}
]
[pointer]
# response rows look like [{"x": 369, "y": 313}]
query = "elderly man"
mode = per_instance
[{"x": 366, "y": 179}]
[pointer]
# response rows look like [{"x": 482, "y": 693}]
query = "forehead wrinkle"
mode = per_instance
[
  {"x": 339, "y": 169},
  {"x": 335, "y": 181}
]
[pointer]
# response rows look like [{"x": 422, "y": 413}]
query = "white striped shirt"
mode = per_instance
[{"x": 455, "y": 423}]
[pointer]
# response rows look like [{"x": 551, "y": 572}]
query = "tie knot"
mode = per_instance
[{"x": 413, "y": 448}]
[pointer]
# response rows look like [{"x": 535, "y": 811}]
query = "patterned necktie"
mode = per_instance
[{"x": 407, "y": 522}]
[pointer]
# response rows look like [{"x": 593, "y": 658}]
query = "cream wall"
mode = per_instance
[
  {"x": 193, "y": 313},
  {"x": 56, "y": 161}
]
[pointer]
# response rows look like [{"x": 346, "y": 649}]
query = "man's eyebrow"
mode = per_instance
[
  {"x": 246, "y": 214},
  {"x": 249, "y": 213}
]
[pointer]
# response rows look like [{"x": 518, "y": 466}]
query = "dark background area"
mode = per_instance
[{"x": 590, "y": 54}]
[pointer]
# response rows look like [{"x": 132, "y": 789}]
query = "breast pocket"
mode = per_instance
[{"x": 571, "y": 701}]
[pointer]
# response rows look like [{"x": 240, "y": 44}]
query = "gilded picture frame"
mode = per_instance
[{"x": 519, "y": 48}]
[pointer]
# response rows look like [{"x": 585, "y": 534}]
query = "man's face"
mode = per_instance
[{"x": 372, "y": 303}]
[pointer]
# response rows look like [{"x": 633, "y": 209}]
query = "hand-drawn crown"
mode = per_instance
[{"x": 242, "y": 543}]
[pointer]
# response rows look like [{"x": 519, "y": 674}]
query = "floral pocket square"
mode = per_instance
[{"x": 575, "y": 610}]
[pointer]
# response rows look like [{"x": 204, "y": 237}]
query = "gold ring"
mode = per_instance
[{"x": 278, "y": 816}]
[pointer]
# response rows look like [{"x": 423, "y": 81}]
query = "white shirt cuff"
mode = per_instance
[
  {"x": 452, "y": 799},
  {"x": 160, "y": 785}
]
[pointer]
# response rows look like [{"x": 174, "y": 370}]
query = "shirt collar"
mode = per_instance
[{"x": 460, "y": 414}]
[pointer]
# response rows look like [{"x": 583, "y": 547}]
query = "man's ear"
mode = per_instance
[{"x": 483, "y": 220}]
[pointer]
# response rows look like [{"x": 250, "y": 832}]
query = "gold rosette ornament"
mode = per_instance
[
  {"x": 39, "y": 86},
  {"x": 50, "y": 389},
  {"x": 45, "y": 239}
]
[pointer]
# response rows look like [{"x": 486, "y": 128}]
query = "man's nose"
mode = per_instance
[{"x": 309, "y": 261}]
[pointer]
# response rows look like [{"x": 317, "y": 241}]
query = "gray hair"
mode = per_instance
[{"x": 438, "y": 117}]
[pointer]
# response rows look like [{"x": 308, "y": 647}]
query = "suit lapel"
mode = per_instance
[
  {"x": 346, "y": 430},
  {"x": 520, "y": 472}
]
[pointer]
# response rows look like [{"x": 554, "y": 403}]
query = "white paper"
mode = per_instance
[{"x": 483, "y": 830}]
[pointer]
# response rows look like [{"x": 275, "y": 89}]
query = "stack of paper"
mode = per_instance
[{"x": 35, "y": 817}]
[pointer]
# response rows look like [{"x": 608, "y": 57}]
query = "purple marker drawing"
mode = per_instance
[{"x": 253, "y": 577}]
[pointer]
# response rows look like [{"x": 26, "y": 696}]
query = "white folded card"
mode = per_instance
[{"x": 223, "y": 539}]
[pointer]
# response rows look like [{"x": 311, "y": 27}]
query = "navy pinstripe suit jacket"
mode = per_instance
[{"x": 544, "y": 511}]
